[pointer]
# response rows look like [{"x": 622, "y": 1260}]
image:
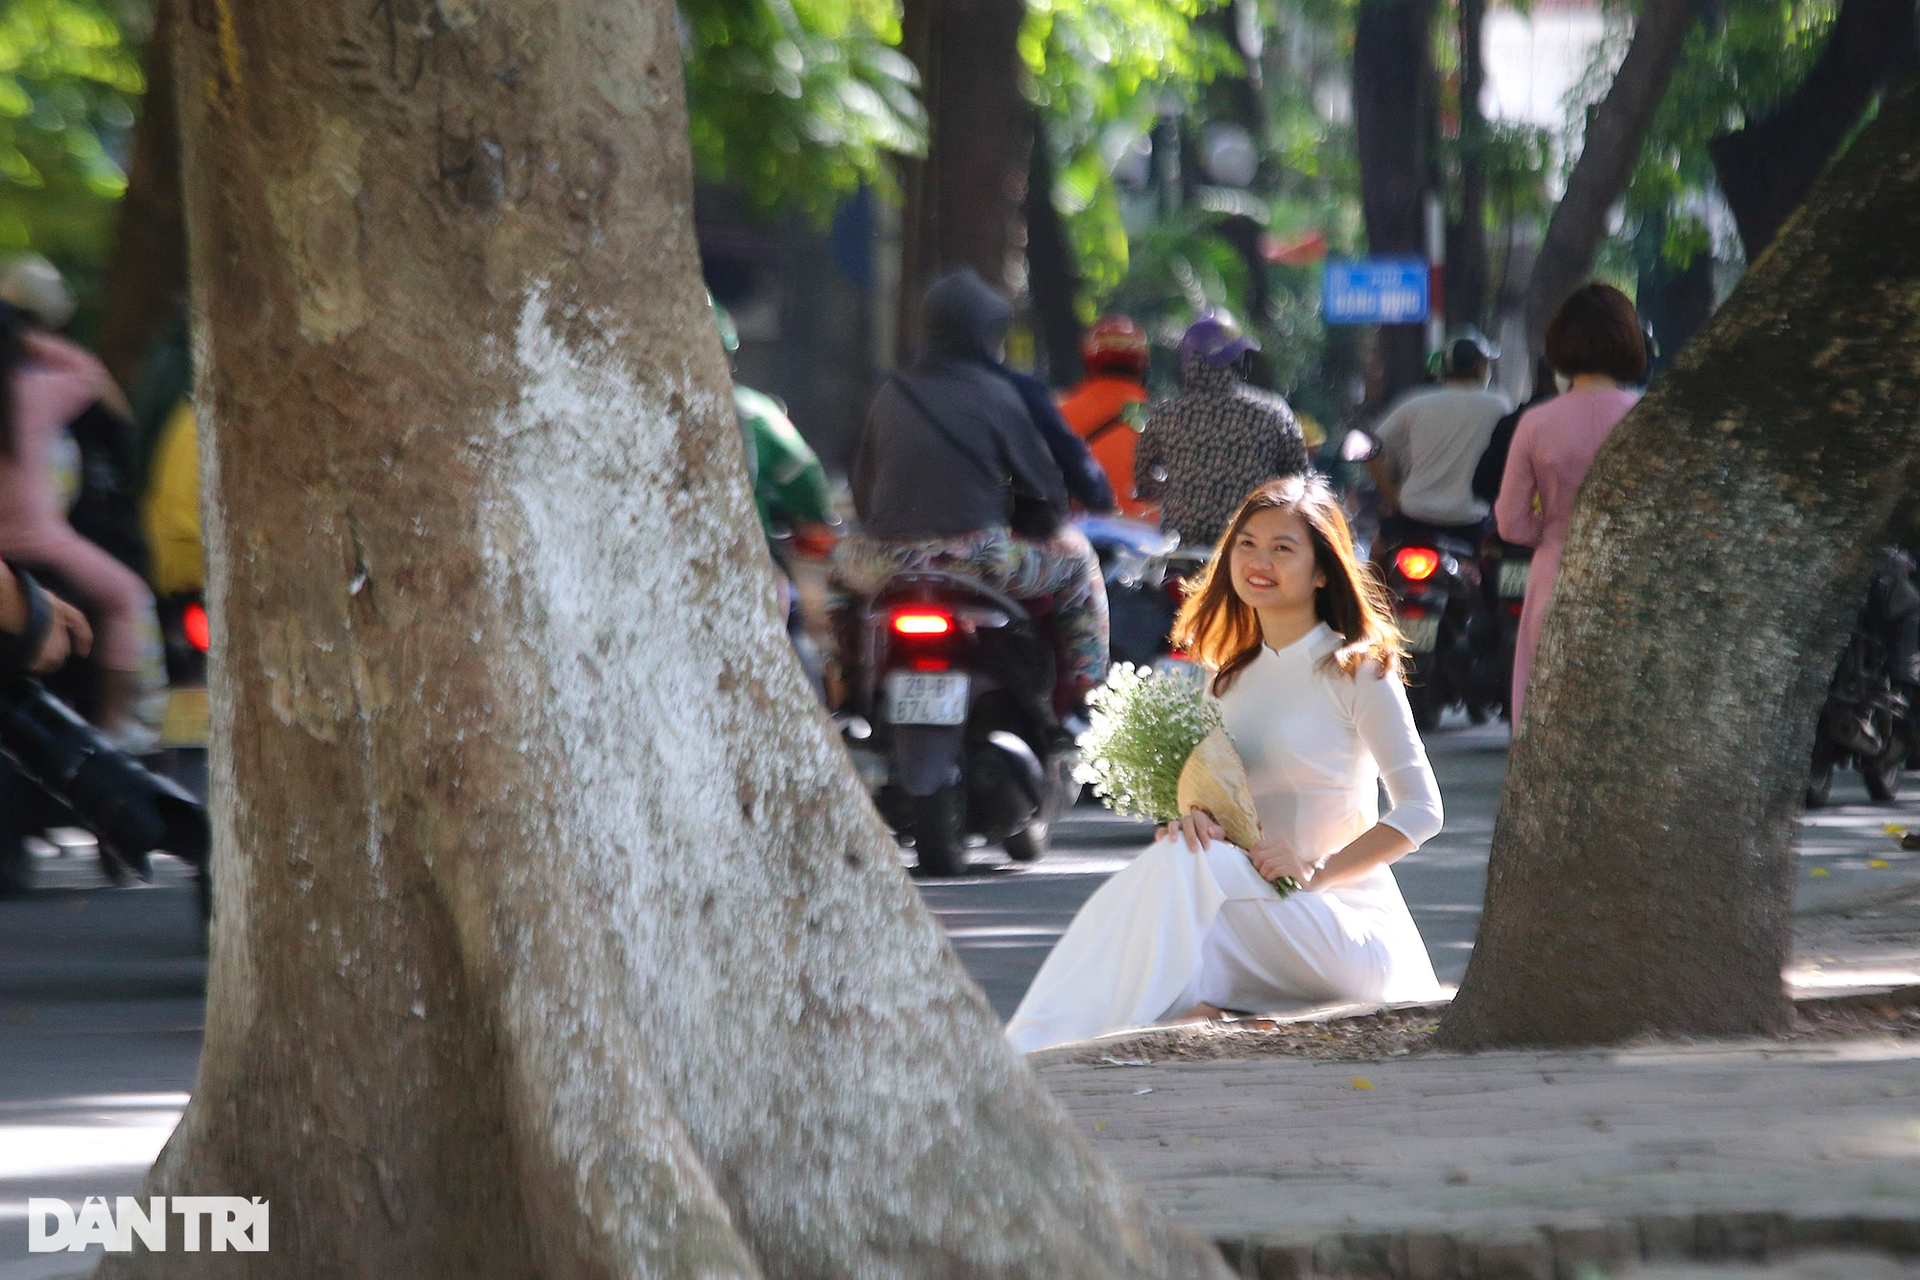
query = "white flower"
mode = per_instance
[{"x": 1143, "y": 726}]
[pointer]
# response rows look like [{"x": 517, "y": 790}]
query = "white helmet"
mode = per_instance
[{"x": 35, "y": 286}]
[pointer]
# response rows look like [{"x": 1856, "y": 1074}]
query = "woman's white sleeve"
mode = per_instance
[{"x": 1385, "y": 723}]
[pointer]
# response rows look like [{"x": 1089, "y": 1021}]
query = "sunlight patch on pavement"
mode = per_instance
[{"x": 85, "y": 1135}]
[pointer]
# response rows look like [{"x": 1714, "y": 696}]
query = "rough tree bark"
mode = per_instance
[
  {"x": 1608, "y": 151},
  {"x": 1641, "y": 877},
  {"x": 147, "y": 275},
  {"x": 555, "y": 934},
  {"x": 1466, "y": 279},
  {"x": 1393, "y": 116},
  {"x": 965, "y": 202},
  {"x": 1767, "y": 168}
]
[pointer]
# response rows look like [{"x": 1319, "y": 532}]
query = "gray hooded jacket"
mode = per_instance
[{"x": 910, "y": 482}]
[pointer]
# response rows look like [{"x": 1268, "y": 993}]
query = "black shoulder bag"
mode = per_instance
[{"x": 1029, "y": 514}]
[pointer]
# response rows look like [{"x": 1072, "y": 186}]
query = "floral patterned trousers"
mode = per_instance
[{"x": 1063, "y": 567}]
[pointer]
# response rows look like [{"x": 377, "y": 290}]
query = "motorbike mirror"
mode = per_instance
[{"x": 1358, "y": 446}]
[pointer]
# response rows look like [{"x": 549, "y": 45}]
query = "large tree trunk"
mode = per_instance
[
  {"x": 1767, "y": 168},
  {"x": 1466, "y": 278},
  {"x": 555, "y": 934},
  {"x": 1393, "y": 115},
  {"x": 965, "y": 202},
  {"x": 1641, "y": 877},
  {"x": 147, "y": 275},
  {"x": 1615, "y": 129},
  {"x": 1053, "y": 280}
]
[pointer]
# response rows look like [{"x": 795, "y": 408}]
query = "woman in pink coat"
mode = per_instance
[{"x": 1595, "y": 343}]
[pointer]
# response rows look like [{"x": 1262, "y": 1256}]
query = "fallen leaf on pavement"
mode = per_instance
[{"x": 1358, "y": 1083}]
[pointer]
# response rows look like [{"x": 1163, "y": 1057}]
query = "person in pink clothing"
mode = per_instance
[
  {"x": 49, "y": 381},
  {"x": 1595, "y": 343}
]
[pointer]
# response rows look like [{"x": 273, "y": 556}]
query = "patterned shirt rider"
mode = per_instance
[{"x": 1210, "y": 446}]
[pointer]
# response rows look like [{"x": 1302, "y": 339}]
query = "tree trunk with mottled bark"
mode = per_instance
[
  {"x": 1766, "y": 169},
  {"x": 1611, "y": 146},
  {"x": 1466, "y": 276},
  {"x": 1642, "y": 871},
  {"x": 1393, "y": 116},
  {"x": 147, "y": 275},
  {"x": 965, "y": 201},
  {"x": 555, "y": 934},
  {"x": 1052, "y": 277}
]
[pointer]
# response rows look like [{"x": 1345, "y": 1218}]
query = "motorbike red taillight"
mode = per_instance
[
  {"x": 1413, "y": 612},
  {"x": 922, "y": 622},
  {"x": 193, "y": 621},
  {"x": 1416, "y": 564},
  {"x": 1515, "y": 608}
]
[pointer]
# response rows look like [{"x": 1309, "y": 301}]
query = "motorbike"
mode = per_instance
[
  {"x": 1868, "y": 720},
  {"x": 953, "y": 718},
  {"x": 1435, "y": 583},
  {"x": 58, "y": 770},
  {"x": 1506, "y": 565},
  {"x": 1135, "y": 561}
]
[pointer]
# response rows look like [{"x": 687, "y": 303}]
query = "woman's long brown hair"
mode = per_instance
[{"x": 1222, "y": 631}]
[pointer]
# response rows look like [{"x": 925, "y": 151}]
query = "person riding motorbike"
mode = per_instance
[
  {"x": 50, "y": 382},
  {"x": 1105, "y": 408},
  {"x": 1086, "y": 482},
  {"x": 1217, "y": 441},
  {"x": 1429, "y": 446},
  {"x": 790, "y": 491},
  {"x": 1493, "y": 462},
  {"x": 951, "y": 474}
]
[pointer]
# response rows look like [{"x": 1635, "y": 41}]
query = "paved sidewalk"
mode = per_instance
[
  {"x": 1459, "y": 1152},
  {"x": 1546, "y": 1164}
]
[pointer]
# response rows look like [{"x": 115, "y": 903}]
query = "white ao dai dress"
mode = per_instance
[{"x": 1176, "y": 928}]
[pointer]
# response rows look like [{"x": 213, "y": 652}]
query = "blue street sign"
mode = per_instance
[{"x": 1376, "y": 291}]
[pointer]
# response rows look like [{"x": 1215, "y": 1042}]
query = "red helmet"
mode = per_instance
[{"x": 1116, "y": 342}]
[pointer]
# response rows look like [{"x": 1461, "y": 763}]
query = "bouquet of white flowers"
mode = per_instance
[{"x": 1156, "y": 748}]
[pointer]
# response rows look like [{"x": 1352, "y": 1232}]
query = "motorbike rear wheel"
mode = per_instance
[
  {"x": 1028, "y": 844},
  {"x": 16, "y": 867},
  {"x": 1820, "y": 776},
  {"x": 936, "y": 824},
  {"x": 1884, "y": 773},
  {"x": 1424, "y": 701}
]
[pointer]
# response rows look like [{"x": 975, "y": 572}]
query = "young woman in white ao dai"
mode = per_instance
[{"x": 1185, "y": 927}]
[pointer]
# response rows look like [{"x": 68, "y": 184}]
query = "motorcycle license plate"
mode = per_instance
[
  {"x": 917, "y": 698},
  {"x": 1513, "y": 578},
  {"x": 1421, "y": 633}
]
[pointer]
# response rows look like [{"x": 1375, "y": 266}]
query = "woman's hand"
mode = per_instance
[
  {"x": 69, "y": 636},
  {"x": 1198, "y": 828},
  {"x": 1276, "y": 860}
]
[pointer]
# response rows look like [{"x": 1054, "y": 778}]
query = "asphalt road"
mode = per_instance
[{"x": 101, "y": 989}]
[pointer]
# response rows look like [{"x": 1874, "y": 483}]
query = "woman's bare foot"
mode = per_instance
[{"x": 1202, "y": 1012}]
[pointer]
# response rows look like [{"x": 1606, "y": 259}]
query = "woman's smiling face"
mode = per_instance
[{"x": 1272, "y": 562}]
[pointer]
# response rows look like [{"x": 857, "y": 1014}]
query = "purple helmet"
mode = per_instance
[{"x": 1215, "y": 340}]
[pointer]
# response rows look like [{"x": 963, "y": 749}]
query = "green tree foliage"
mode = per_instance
[
  {"x": 799, "y": 102},
  {"x": 69, "y": 83},
  {"x": 1733, "y": 68},
  {"x": 1103, "y": 71}
]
